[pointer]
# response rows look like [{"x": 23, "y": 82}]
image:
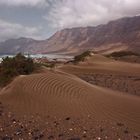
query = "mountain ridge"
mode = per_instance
[{"x": 121, "y": 34}]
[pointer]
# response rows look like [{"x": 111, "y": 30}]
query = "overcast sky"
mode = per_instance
[{"x": 41, "y": 18}]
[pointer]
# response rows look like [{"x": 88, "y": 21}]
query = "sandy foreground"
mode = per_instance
[{"x": 57, "y": 104}]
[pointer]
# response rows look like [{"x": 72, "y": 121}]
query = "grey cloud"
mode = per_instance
[
  {"x": 13, "y": 30},
  {"x": 38, "y": 3},
  {"x": 73, "y": 13}
]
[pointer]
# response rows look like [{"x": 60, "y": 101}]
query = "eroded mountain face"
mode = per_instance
[{"x": 122, "y": 34}]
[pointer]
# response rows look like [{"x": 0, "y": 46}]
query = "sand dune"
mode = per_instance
[
  {"x": 56, "y": 104},
  {"x": 98, "y": 63},
  {"x": 61, "y": 95}
]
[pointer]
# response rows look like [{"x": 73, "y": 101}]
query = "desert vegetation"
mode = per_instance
[
  {"x": 81, "y": 57},
  {"x": 11, "y": 67},
  {"x": 122, "y": 54}
]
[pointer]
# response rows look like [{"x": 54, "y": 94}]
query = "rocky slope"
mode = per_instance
[{"x": 121, "y": 34}]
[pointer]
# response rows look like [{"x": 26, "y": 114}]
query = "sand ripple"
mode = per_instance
[{"x": 60, "y": 94}]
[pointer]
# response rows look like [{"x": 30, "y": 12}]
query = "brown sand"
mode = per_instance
[
  {"x": 98, "y": 63},
  {"x": 105, "y": 72},
  {"x": 61, "y": 95},
  {"x": 126, "y": 84}
]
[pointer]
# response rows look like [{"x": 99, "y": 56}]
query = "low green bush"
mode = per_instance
[
  {"x": 81, "y": 57},
  {"x": 11, "y": 67}
]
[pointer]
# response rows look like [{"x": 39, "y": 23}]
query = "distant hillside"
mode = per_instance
[
  {"x": 14, "y": 46},
  {"x": 118, "y": 35}
]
